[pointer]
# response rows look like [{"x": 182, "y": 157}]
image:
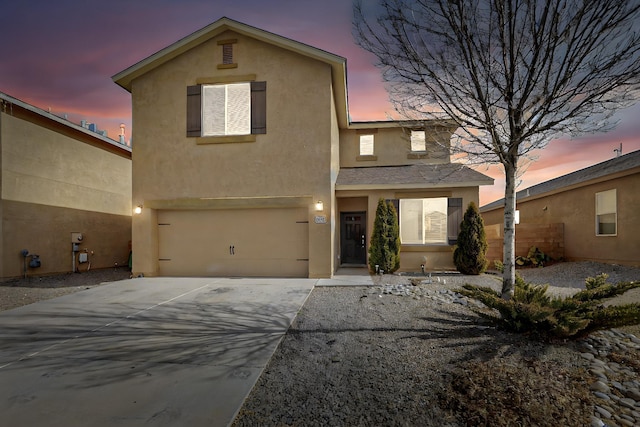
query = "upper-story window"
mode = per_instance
[
  {"x": 233, "y": 109},
  {"x": 418, "y": 140},
  {"x": 366, "y": 145},
  {"x": 606, "y": 213},
  {"x": 226, "y": 109}
]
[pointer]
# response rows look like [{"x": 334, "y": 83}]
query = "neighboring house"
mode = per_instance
[
  {"x": 599, "y": 208},
  {"x": 245, "y": 163},
  {"x": 59, "y": 179}
]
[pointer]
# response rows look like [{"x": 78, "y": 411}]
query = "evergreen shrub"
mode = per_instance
[
  {"x": 533, "y": 312},
  {"x": 384, "y": 248},
  {"x": 469, "y": 256}
]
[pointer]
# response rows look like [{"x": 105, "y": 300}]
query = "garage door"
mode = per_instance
[{"x": 240, "y": 243}]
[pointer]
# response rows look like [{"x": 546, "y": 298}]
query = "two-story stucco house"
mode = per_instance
[{"x": 245, "y": 163}]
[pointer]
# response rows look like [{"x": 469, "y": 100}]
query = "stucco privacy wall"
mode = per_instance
[
  {"x": 46, "y": 230},
  {"x": 289, "y": 166},
  {"x": 56, "y": 180},
  {"x": 575, "y": 208}
]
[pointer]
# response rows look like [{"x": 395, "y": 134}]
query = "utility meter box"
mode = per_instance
[{"x": 76, "y": 237}]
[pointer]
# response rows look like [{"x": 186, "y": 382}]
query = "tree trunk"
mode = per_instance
[{"x": 509, "y": 249}]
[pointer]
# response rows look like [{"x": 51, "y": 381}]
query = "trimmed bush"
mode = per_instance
[
  {"x": 469, "y": 256},
  {"x": 384, "y": 248},
  {"x": 393, "y": 237}
]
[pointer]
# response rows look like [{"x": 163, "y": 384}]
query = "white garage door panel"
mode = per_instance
[{"x": 249, "y": 242}]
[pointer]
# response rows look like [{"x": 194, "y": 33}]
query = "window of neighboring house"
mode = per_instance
[
  {"x": 606, "y": 213},
  {"x": 418, "y": 140},
  {"x": 366, "y": 145},
  {"x": 233, "y": 109}
]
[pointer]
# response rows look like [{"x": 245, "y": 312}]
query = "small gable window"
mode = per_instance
[
  {"x": 418, "y": 140},
  {"x": 226, "y": 109},
  {"x": 227, "y": 53},
  {"x": 228, "y": 60},
  {"x": 366, "y": 145}
]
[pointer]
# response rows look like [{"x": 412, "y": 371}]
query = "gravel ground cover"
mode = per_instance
[
  {"x": 399, "y": 355},
  {"x": 22, "y": 291},
  {"x": 362, "y": 356}
]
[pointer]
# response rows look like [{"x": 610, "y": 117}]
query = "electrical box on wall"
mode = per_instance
[{"x": 76, "y": 237}]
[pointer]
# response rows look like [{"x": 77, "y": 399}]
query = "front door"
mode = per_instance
[{"x": 353, "y": 239}]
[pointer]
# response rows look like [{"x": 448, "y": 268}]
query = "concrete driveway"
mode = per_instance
[{"x": 152, "y": 351}]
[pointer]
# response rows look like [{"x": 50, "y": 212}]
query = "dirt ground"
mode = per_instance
[{"x": 22, "y": 291}]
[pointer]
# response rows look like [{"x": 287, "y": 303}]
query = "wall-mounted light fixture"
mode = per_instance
[
  {"x": 319, "y": 206},
  {"x": 517, "y": 217},
  {"x": 137, "y": 210}
]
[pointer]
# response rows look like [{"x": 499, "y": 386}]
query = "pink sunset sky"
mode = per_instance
[{"x": 60, "y": 55}]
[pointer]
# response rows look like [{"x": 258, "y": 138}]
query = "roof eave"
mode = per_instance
[
  {"x": 380, "y": 124},
  {"x": 108, "y": 142},
  {"x": 411, "y": 186},
  {"x": 498, "y": 204},
  {"x": 338, "y": 64}
]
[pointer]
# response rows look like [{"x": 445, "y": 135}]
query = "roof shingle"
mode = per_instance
[
  {"x": 610, "y": 167},
  {"x": 447, "y": 174}
]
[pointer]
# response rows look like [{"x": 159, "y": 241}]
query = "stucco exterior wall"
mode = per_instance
[
  {"x": 392, "y": 146},
  {"x": 46, "y": 231},
  {"x": 293, "y": 159},
  {"x": 575, "y": 208},
  {"x": 42, "y": 166},
  {"x": 55, "y": 181}
]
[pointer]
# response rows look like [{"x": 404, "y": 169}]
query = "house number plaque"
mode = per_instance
[{"x": 320, "y": 219}]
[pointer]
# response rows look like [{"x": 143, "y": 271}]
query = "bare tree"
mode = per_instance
[{"x": 511, "y": 73}]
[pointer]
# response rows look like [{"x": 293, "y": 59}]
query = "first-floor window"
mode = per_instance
[
  {"x": 606, "y": 213},
  {"x": 423, "y": 221}
]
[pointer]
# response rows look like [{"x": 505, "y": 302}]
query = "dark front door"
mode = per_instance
[{"x": 353, "y": 239}]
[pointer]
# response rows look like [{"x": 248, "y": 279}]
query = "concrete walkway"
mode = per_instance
[{"x": 153, "y": 351}]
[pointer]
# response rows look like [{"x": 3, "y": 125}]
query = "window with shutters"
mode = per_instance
[
  {"x": 429, "y": 221},
  {"x": 226, "y": 109},
  {"x": 220, "y": 110},
  {"x": 606, "y": 213}
]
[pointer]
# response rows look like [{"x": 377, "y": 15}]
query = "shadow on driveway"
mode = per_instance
[{"x": 158, "y": 351}]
